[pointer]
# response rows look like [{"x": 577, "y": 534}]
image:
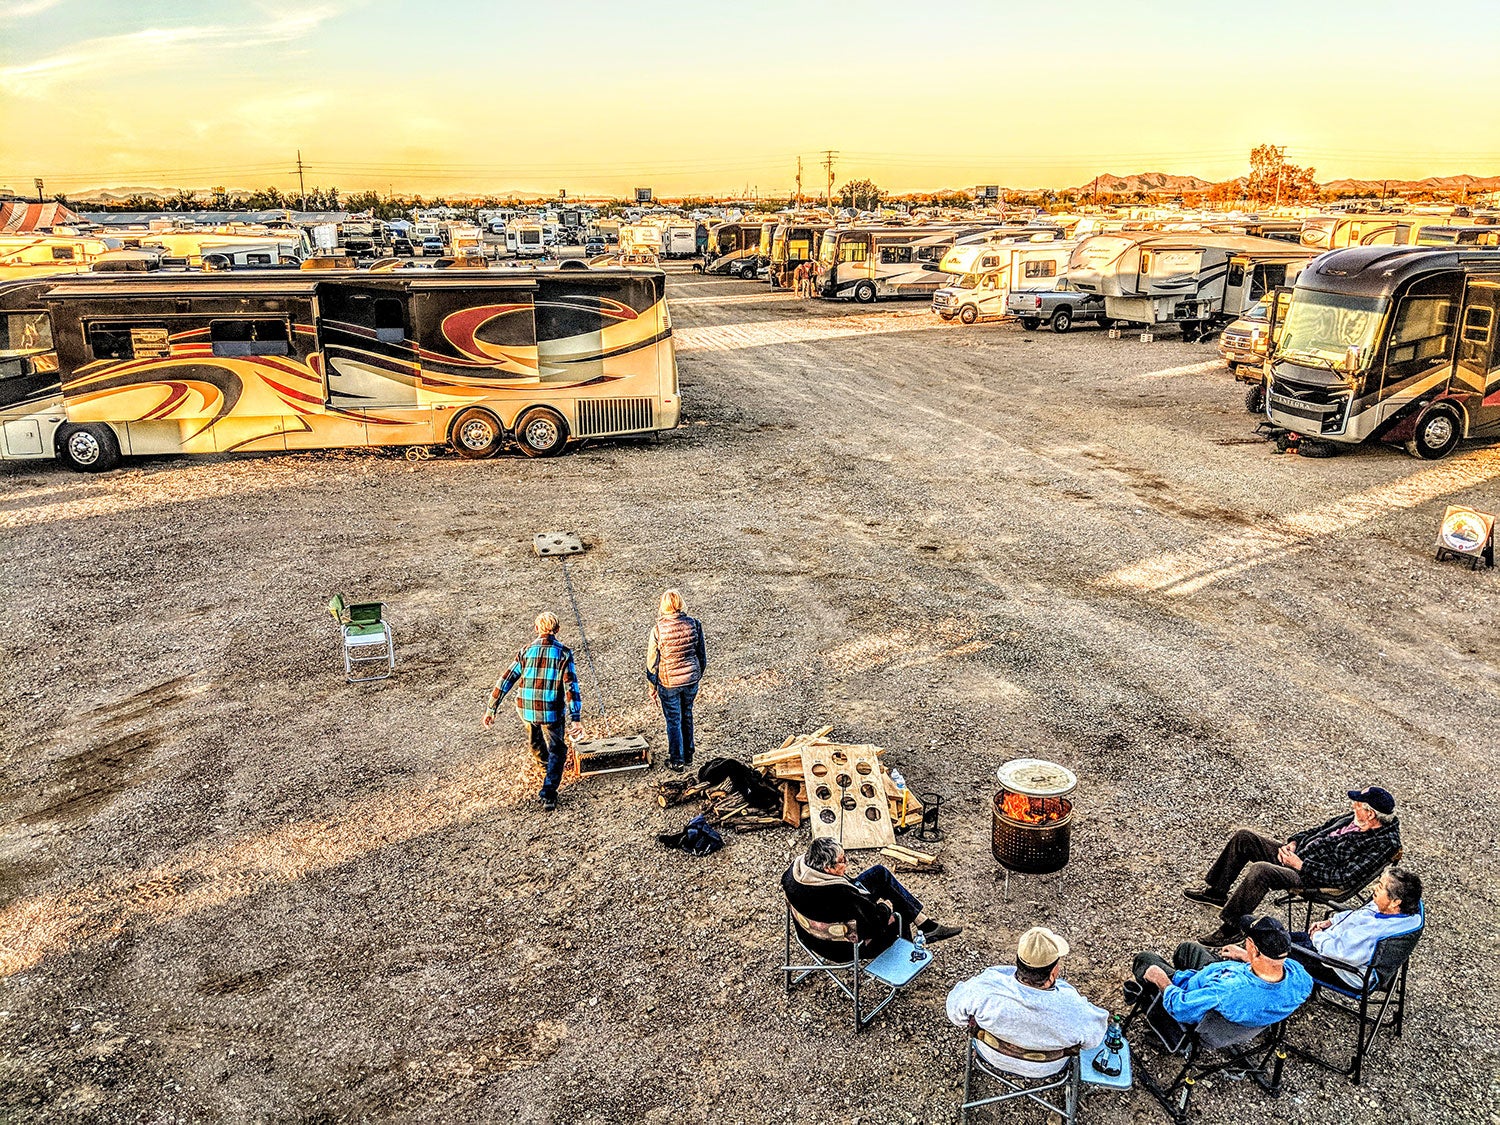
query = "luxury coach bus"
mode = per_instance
[
  {"x": 201, "y": 363},
  {"x": 1400, "y": 343}
]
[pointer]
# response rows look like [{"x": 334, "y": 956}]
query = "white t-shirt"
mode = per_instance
[{"x": 1040, "y": 1019}]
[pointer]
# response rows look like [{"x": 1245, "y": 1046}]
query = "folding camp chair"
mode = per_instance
[
  {"x": 1335, "y": 898},
  {"x": 1379, "y": 1000},
  {"x": 1213, "y": 1046},
  {"x": 893, "y": 970},
  {"x": 1065, "y": 1082},
  {"x": 366, "y": 635}
]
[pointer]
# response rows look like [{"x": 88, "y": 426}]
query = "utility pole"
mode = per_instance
[
  {"x": 1280, "y": 165},
  {"x": 301, "y": 183},
  {"x": 38, "y": 182},
  {"x": 799, "y": 181},
  {"x": 828, "y": 158}
]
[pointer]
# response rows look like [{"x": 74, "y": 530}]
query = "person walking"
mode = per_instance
[
  {"x": 549, "y": 690},
  {"x": 675, "y": 659}
]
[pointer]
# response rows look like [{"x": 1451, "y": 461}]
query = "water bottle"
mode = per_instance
[
  {"x": 919, "y": 945},
  {"x": 1107, "y": 1061},
  {"x": 900, "y": 783}
]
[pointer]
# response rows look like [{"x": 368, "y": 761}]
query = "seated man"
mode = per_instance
[
  {"x": 1335, "y": 854},
  {"x": 1028, "y": 1017},
  {"x": 1350, "y": 935},
  {"x": 1253, "y": 985},
  {"x": 832, "y": 910}
]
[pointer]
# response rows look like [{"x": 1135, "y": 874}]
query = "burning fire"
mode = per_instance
[{"x": 1034, "y": 810}]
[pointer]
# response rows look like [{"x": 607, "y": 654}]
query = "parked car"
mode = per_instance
[
  {"x": 432, "y": 245},
  {"x": 1060, "y": 307},
  {"x": 594, "y": 246},
  {"x": 1244, "y": 345},
  {"x": 402, "y": 247}
]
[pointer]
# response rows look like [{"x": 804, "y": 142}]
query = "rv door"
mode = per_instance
[
  {"x": 1277, "y": 306},
  {"x": 1476, "y": 360}
]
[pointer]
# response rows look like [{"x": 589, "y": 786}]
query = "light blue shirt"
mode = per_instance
[{"x": 1232, "y": 989}]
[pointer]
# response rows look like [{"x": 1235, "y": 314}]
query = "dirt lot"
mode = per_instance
[{"x": 237, "y": 888}]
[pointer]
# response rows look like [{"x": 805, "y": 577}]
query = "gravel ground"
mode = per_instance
[{"x": 235, "y": 887}]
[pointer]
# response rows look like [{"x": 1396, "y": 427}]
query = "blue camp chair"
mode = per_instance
[{"x": 891, "y": 971}]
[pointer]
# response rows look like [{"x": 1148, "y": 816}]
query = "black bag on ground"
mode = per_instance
[{"x": 744, "y": 781}]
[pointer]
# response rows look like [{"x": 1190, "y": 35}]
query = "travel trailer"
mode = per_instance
[
  {"x": 1194, "y": 279},
  {"x": 996, "y": 270},
  {"x": 679, "y": 239},
  {"x": 172, "y": 363},
  {"x": 868, "y": 263},
  {"x": 793, "y": 242},
  {"x": 39, "y": 255},
  {"x": 1401, "y": 344},
  {"x": 525, "y": 239}
]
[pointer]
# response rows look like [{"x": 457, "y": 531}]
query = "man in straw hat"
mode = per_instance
[{"x": 1028, "y": 1017}]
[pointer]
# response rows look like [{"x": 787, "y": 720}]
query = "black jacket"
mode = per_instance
[
  {"x": 843, "y": 902},
  {"x": 1348, "y": 861}
]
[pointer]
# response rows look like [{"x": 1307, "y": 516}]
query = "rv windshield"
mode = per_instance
[
  {"x": 1322, "y": 327},
  {"x": 827, "y": 248}
]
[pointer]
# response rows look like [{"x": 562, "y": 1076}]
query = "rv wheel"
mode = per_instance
[
  {"x": 1438, "y": 432},
  {"x": 864, "y": 292},
  {"x": 1031, "y": 323},
  {"x": 1255, "y": 398},
  {"x": 541, "y": 432},
  {"x": 88, "y": 449},
  {"x": 1062, "y": 320},
  {"x": 1106, "y": 323},
  {"x": 476, "y": 433},
  {"x": 968, "y": 314}
]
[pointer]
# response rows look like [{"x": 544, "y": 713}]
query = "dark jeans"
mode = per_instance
[
  {"x": 1255, "y": 855},
  {"x": 881, "y": 883},
  {"x": 677, "y": 709},
  {"x": 551, "y": 750}
]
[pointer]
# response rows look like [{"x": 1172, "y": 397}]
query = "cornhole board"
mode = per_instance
[
  {"x": 611, "y": 755},
  {"x": 846, "y": 799}
]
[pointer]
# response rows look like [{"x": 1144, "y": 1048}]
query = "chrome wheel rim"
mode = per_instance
[
  {"x": 541, "y": 434},
  {"x": 476, "y": 434},
  {"x": 1437, "y": 432},
  {"x": 84, "y": 447}
]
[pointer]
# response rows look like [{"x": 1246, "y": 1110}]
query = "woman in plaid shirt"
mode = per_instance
[{"x": 549, "y": 686}]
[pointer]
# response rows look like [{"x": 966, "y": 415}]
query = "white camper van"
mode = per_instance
[
  {"x": 997, "y": 271},
  {"x": 524, "y": 239}
]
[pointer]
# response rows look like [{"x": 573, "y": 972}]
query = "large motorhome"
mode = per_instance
[
  {"x": 793, "y": 242},
  {"x": 1396, "y": 343},
  {"x": 732, "y": 247},
  {"x": 1195, "y": 279},
  {"x": 1334, "y": 232},
  {"x": 217, "y": 362},
  {"x": 37, "y": 255},
  {"x": 868, "y": 263}
]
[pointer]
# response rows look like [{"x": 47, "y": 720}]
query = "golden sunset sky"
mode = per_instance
[{"x": 459, "y": 96}]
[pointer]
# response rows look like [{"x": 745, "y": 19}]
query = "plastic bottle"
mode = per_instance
[
  {"x": 919, "y": 945},
  {"x": 900, "y": 783}
]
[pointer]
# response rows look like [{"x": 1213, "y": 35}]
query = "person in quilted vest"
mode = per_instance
[{"x": 675, "y": 659}]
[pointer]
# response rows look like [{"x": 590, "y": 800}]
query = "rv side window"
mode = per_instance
[
  {"x": 853, "y": 251},
  {"x": 128, "y": 341},
  {"x": 929, "y": 253},
  {"x": 249, "y": 337},
  {"x": 62, "y": 253},
  {"x": 1421, "y": 330},
  {"x": 25, "y": 332},
  {"x": 1478, "y": 321},
  {"x": 390, "y": 322},
  {"x": 895, "y": 255},
  {"x": 1040, "y": 269},
  {"x": 258, "y": 259}
]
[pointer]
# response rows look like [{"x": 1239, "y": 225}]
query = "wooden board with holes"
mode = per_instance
[{"x": 845, "y": 797}]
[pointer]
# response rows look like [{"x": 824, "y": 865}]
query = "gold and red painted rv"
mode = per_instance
[{"x": 258, "y": 361}]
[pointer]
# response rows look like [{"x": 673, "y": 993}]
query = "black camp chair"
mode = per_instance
[
  {"x": 1213, "y": 1046},
  {"x": 892, "y": 970},
  {"x": 1378, "y": 1001}
]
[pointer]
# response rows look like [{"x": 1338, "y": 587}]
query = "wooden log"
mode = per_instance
[
  {"x": 911, "y": 855},
  {"x": 791, "y": 808}
]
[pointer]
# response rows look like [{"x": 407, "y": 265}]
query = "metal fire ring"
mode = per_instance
[{"x": 1033, "y": 777}]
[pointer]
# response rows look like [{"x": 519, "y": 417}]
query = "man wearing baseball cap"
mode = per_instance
[
  {"x": 1345, "y": 852},
  {"x": 1027, "y": 1017},
  {"x": 1253, "y": 985}
]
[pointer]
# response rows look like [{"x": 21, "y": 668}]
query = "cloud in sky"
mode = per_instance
[
  {"x": 24, "y": 9},
  {"x": 152, "y": 49}
]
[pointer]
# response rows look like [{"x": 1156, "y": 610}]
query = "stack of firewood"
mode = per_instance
[{"x": 725, "y": 809}]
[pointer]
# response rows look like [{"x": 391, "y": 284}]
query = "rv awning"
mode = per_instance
[{"x": 23, "y": 218}]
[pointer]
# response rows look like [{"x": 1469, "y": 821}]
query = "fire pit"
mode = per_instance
[{"x": 1033, "y": 817}]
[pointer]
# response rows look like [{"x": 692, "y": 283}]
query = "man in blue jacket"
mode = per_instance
[
  {"x": 1253, "y": 985},
  {"x": 548, "y": 688}
]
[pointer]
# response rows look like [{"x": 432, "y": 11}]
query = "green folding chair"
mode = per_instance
[{"x": 367, "y": 638}]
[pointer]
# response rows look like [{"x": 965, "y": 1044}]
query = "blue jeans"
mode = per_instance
[
  {"x": 677, "y": 709},
  {"x": 550, "y": 748}
]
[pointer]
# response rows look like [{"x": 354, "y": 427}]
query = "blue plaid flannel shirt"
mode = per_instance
[{"x": 544, "y": 669}]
